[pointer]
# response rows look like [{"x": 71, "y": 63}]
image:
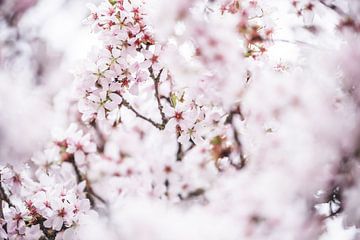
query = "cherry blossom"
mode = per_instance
[{"x": 215, "y": 119}]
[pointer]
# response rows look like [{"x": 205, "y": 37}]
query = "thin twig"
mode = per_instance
[
  {"x": 298, "y": 42},
  {"x": 101, "y": 138},
  {"x": 181, "y": 153},
  {"x": 3, "y": 195},
  {"x": 125, "y": 103},
  {"x": 166, "y": 98},
  {"x": 335, "y": 197},
  {"x": 157, "y": 95},
  {"x": 48, "y": 232},
  {"x": 90, "y": 194},
  {"x": 334, "y": 8},
  {"x": 230, "y": 120},
  {"x": 97, "y": 196},
  {"x": 239, "y": 145},
  {"x": 1, "y": 209}
]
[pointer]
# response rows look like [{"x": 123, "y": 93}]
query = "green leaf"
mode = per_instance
[
  {"x": 173, "y": 99},
  {"x": 112, "y": 2},
  {"x": 216, "y": 140}
]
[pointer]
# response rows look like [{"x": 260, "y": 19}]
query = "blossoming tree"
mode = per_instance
[{"x": 218, "y": 119}]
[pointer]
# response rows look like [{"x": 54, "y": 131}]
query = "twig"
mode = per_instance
[
  {"x": 335, "y": 197},
  {"x": 236, "y": 111},
  {"x": 166, "y": 98},
  {"x": 295, "y": 42},
  {"x": 230, "y": 120},
  {"x": 334, "y": 8},
  {"x": 1, "y": 209},
  {"x": 181, "y": 153},
  {"x": 3, "y": 196},
  {"x": 125, "y": 103},
  {"x": 2, "y": 215},
  {"x": 157, "y": 95},
  {"x": 343, "y": 179},
  {"x": 90, "y": 194},
  {"x": 101, "y": 138},
  {"x": 242, "y": 162},
  {"x": 48, "y": 232}
]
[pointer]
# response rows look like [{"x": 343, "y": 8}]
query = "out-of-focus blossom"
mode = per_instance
[{"x": 219, "y": 119}]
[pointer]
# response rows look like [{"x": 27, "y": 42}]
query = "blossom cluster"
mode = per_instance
[{"x": 49, "y": 200}]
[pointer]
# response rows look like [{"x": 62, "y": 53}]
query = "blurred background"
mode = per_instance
[{"x": 41, "y": 42}]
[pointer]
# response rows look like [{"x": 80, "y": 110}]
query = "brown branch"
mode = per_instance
[
  {"x": 297, "y": 42},
  {"x": 236, "y": 111},
  {"x": 100, "y": 146},
  {"x": 347, "y": 20},
  {"x": 2, "y": 214},
  {"x": 334, "y": 8},
  {"x": 3, "y": 196},
  {"x": 90, "y": 194},
  {"x": 157, "y": 95},
  {"x": 239, "y": 145},
  {"x": 181, "y": 153},
  {"x": 166, "y": 98},
  {"x": 49, "y": 233},
  {"x": 344, "y": 178},
  {"x": 1, "y": 209},
  {"x": 335, "y": 197},
  {"x": 78, "y": 175},
  {"x": 125, "y": 103},
  {"x": 230, "y": 120}
]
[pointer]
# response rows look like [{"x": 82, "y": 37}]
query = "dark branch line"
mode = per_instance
[{"x": 126, "y": 104}]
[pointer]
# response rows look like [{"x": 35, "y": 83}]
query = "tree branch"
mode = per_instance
[
  {"x": 90, "y": 194},
  {"x": 230, "y": 120},
  {"x": 48, "y": 233},
  {"x": 157, "y": 95},
  {"x": 3, "y": 196},
  {"x": 181, "y": 153},
  {"x": 125, "y": 103},
  {"x": 101, "y": 138},
  {"x": 334, "y": 8}
]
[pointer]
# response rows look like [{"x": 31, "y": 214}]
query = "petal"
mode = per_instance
[
  {"x": 48, "y": 222},
  {"x": 101, "y": 114},
  {"x": 168, "y": 110},
  {"x": 147, "y": 54},
  {"x": 171, "y": 124},
  {"x": 69, "y": 234},
  {"x": 115, "y": 87},
  {"x": 94, "y": 98},
  {"x": 85, "y": 205},
  {"x": 184, "y": 138},
  {"x": 115, "y": 98},
  {"x": 197, "y": 139},
  {"x": 110, "y": 105},
  {"x": 79, "y": 157},
  {"x": 103, "y": 95},
  {"x": 57, "y": 223},
  {"x": 116, "y": 52},
  {"x": 83, "y": 106},
  {"x": 134, "y": 89},
  {"x": 145, "y": 64}
]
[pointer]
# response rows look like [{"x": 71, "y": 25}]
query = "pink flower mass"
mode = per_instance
[{"x": 183, "y": 119}]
